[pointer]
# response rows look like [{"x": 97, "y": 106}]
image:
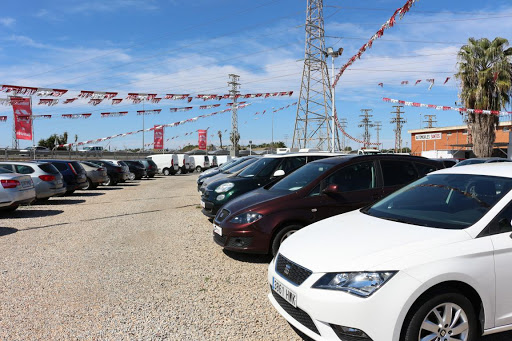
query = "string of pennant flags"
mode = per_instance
[
  {"x": 418, "y": 81},
  {"x": 447, "y": 108},
  {"x": 388, "y": 24},
  {"x": 175, "y": 124},
  {"x": 97, "y": 97}
]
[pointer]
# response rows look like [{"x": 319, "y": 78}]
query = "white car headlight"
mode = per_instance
[
  {"x": 224, "y": 187},
  {"x": 246, "y": 218},
  {"x": 362, "y": 284}
]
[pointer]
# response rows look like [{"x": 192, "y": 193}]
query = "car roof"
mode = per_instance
[
  {"x": 302, "y": 154},
  {"x": 346, "y": 158},
  {"x": 499, "y": 169}
]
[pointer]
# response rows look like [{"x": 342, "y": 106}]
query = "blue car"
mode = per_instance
[{"x": 73, "y": 173}]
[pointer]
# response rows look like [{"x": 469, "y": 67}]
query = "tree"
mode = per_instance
[
  {"x": 220, "y": 138},
  {"x": 485, "y": 75},
  {"x": 54, "y": 140}
]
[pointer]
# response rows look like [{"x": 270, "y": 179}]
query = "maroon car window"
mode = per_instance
[
  {"x": 302, "y": 177},
  {"x": 357, "y": 177},
  {"x": 397, "y": 172}
]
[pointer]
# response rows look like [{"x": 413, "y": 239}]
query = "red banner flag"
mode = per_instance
[
  {"x": 202, "y": 139},
  {"x": 22, "y": 111},
  {"x": 159, "y": 137}
]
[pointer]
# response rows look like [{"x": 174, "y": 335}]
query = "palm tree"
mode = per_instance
[
  {"x": 220, "y": 138},
  {"x": 485, "y": 75}
]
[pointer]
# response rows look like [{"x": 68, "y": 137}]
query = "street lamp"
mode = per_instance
[{"x": 334, "y": 54}]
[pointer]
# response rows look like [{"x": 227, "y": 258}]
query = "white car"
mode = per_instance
[
  {"x": 15, "y": 189},
  {"x": 431, "y": 261}
]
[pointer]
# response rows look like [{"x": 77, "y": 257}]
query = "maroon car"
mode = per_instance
[{"x": 259, "y": 221}]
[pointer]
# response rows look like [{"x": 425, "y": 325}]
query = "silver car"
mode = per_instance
[
  {"x": 47, "y": 179},
  {"x": 15, "y": 189},
  {"x": 96, "y": 174}
]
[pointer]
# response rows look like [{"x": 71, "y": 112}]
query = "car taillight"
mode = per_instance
[
  {"x": 47, "y": 177},
  {"x": 72, "y": 168},
  {"x": 183, "y": 161},
  {"x": 119, "y": 169},
  {"x": 10, "y": 183},
  {"x": 172, "y": 162},
  {"x": 100, "y": 169}
]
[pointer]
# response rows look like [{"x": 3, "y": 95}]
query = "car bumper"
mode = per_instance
[
  {"x": 245, "y": 238},
  {"x": 11, "y": 198},
  {"x": 380, "y": 316},
  {"x": 210, "y": 209}
]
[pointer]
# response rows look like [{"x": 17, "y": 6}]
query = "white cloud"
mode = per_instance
[{"x": 7, "y": 22}]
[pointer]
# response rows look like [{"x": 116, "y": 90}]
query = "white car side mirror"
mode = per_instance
[{"x": 279, "y": 172}]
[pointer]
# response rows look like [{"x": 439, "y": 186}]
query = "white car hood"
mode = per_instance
[{"x": 355, "y": 241}]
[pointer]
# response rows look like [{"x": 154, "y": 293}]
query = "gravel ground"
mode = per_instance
[{"x": 131, "y": 262}]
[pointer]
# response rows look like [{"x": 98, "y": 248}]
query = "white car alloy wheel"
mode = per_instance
[
  {"x": 166, "y": 172},
  {"x": 445, "y": 317}
]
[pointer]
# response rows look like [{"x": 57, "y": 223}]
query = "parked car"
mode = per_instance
[
  {"x": 192, "y": 162},
  {"x": 260, "y": 220},
  {"x": 37, "y": 150},
  {"x": 92, "y": 150},
  {"x": 168, "y": 164},
  {"x": 16, "y": 189},
  {"x": 222, "y": 159},
  {"x": 137, "y": 168},
  {"x": 262, "y": 172},
  {"x": 48, "y": 181},
  {"x": 96, "y": 174},
  {"x": 73, "y": 173},
  {"x": 447, "y": 162},
  {"x": 126, "y": 174},
  {"x": 114, "y": 172},
  {"x": 231, "y": 169},
  {"x": 429, "y": 262},
  {"x": 202, "y": 162},
  {"x": 184, "y": 164},
  {"x": 151, "y": 167},
  {"x": 475, "y": 161}
]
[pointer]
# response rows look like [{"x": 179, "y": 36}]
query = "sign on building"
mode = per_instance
[{"x": 431, "y": 136}]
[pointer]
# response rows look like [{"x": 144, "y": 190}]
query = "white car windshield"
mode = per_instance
[{"x": 448, "y": 201}]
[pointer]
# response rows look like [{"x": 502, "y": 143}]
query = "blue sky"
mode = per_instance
[{"x": 175, "y": 46}]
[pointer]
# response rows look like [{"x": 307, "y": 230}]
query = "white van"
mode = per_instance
[
  {"x": 222, "y": 159},
  {"x": 202, "y": 162},
  {"x": 97, "y": 150},
  {"x": 184, "y": 164},
  {"x": 168, "y": 164}
]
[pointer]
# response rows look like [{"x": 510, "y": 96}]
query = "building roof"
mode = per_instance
[{"x": 461, "y": 127}]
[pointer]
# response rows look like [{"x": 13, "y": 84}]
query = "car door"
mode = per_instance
[
  {"x": 396, "y": 174},
  {"x": 501, "y": 236},
  {"x": 356, "y": 187}
]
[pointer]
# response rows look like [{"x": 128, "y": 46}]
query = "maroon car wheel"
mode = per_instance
[{"x": 282, "y": 235}]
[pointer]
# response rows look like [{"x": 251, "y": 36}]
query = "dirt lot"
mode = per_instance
[{"x": 136, "y": 261}]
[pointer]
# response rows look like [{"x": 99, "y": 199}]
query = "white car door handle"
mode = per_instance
[{"x": 314, "y": 210}]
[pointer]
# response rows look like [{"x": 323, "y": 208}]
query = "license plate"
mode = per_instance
[
  {"x": 217, "y": 229},
  {"x": 203, "y": 204},
  {"x": 26, "y": 184},
  {"x": 59, "y": 182},
  {"x": 284, "y": 292}
]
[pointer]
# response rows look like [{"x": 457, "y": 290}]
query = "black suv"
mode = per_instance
[{"x": 114, "y": 172}]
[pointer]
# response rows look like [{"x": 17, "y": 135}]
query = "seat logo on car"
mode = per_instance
[{"x": 287, "y": 269}]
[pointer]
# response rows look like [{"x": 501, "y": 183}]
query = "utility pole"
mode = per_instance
[
  {"x": 343, "y": 125},
  {"x": 430, "y": 121},
  {"x": 367, "y": 124},
  {"x": 312, "y": 123},
  {"x": 233, "y": 91},
  {"x": 378, "y": 128},
  {"x": 399, "y": 121}
]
